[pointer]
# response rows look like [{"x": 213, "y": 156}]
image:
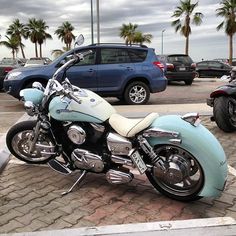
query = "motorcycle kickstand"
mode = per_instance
[{"x": 79, "y": 180}]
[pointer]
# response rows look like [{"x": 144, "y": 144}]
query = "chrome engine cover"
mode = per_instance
[
  {"x": 76, "y": 134},
  {"x": 86, "y": 160},
  {"x": 119, "y": 176},
  {"x": 118, "y": 145}
]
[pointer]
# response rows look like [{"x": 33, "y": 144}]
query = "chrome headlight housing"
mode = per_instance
[{"x": 30, "y": 108}]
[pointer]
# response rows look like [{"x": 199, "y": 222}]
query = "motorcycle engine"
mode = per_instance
[{"x": 76, "y": 134}]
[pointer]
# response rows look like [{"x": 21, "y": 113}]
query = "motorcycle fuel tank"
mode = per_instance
[{"x": 91, "y": 108}]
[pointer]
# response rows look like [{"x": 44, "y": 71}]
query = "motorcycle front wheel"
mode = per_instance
[
  {"x": 19, "y": 139},
  {"x": 183, "y": 177},
  {"x": 224, "y": 112}
]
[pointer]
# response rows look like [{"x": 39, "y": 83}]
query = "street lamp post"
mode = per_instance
[
  {"x": 92, "y": 37},
  {"x": 98, "y": 23},
  {"x": 162, "y": 32}
]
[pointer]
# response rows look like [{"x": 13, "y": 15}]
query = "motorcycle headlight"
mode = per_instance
[
  {"x": 30, "y": 108},
  {"x": 13, "y": 75}
]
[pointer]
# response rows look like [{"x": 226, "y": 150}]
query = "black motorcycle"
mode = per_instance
[{"x": 223, "y": 101}]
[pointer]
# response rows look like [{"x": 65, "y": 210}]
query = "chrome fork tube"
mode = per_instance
[{"x": 36, "y": 134}]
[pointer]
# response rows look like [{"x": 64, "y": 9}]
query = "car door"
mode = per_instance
[
  {"x": 84, "y": 73},
  {"x": 216, "y": 68},
  {"x": 114, "y": 68}
]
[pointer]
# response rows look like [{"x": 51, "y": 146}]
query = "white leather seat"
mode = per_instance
[{"x": 129, "y": 127}]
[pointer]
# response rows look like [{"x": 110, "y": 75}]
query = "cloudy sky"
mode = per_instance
[{"x": 152, "y": 17}]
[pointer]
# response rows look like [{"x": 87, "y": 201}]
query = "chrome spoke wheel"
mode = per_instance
[
  {"x": 183, "y": 178},
  {"x": 22, "y": 141}
]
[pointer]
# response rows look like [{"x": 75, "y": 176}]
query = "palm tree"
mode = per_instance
[
  {"x": 128, "y": 32},
  {"x": 42, "y": 35},
  {"x": 141, "y": 38},
  {"x": 64, "y": 32},
  {"x": 183, "y": 14},
  {"x": 58, "y": 52},
  {"x": 227, "y": 10},
  {"x": 32, "y": 33},
  {"x": 18, "y": 30},
  {"x": 13, "y": 44}
]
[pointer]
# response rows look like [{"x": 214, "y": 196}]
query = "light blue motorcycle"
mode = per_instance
[{"x": 78, "y": 130}]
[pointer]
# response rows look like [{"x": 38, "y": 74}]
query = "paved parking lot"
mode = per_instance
[{"x": 30, "y": 198}]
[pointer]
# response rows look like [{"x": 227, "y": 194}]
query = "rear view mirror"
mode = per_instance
[{"x": 79, "y": 40}]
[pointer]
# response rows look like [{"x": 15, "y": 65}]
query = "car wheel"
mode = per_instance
[
  {"x": 188, "y": 82},
  {"x": 197, "y": 74},
  {"x": 137, "y": 93}
]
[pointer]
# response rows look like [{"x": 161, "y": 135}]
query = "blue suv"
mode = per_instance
[{"x": 129, "y": 73}]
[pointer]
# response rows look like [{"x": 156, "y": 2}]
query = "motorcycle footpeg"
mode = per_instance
[{"x": 59, "y": 167}]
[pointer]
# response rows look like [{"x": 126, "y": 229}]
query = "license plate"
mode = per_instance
[
  {"x": 182, "y": 69},
  {"x": 138, "y": 161}
]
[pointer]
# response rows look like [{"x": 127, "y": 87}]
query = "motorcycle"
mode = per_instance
[
  {"x": 223, "y": 101},
  {"x": 76, "y": 130}
]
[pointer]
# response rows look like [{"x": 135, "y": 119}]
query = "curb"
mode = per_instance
[
  {"x": 219, "y": 226},
  {"x": 4, "y": 152}
]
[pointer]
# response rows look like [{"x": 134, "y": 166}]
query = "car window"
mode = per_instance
[
  {"x": 137, "y": 55},
  {"x": 89, "y": 59},
  {"x": 114, "y": 56},
  {"x": 180, "y": 59},
  {"x": 215, "y": 64},
  {"x": 202, "y": 64}
]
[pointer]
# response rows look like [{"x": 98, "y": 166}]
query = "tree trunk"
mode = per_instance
[
  {"x": 186, "y": 45},
  {"x": 230, "y": 49},
  {"x": 22, "y": 51},
  {"x": 40, "y": 50},
  {"x": 36, "y": 49}
]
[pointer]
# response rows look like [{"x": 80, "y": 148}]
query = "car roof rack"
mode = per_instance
[{"x": 122, "y": 44}]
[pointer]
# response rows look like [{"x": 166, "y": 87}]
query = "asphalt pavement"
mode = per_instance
[{"x": 31, "y": 201}]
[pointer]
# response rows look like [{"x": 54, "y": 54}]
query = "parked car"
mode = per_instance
[
  {"x": 6, "y": 65},
  {"x": 35, "y": 61},
  {"x": 179, "y": 67},
  {"x": 212, "y": 69},
  {"x": 127, "y": 72}
]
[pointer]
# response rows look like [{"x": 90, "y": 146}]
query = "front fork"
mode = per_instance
[{"x": 36, "y": 135}]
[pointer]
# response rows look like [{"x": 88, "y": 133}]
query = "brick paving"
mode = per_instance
[{"x": 30, "y": 198}]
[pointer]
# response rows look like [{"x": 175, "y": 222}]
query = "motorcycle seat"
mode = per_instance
[{"x": 130, "y": 127}]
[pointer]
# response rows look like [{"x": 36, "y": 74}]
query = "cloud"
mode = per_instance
[{"x": 151, "y": 16}]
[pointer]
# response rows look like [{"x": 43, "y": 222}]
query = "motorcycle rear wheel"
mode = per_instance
[
  {"x": 183, "y": 178},
  {"x": 224, "y": 112},
  {"x": 19, "y": 139}
]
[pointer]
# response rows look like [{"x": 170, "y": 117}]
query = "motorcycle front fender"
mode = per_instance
[{"x": 203, "y": 145}]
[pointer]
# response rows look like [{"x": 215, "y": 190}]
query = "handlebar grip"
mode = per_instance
[{"x": 73, "y": 97}]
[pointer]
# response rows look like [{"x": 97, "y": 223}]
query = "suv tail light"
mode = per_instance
[
  {"x": 170, "y": 66},
  {"x": 159, "y": 65},
  {"x": 7, "y": 69},
  {"x": 193, "y": 65}
]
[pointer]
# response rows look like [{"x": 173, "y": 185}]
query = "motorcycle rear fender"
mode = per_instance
[
  {"x": 203, "y": 145},
  {"x": 226, "y": 90}
]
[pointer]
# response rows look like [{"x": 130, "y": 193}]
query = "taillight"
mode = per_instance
[
  {"x": 193, "y": 65},
  {"x": 7, "y": 69},
  {"x": 159, "y": 65},
  {"x": 170, "y": 66}
]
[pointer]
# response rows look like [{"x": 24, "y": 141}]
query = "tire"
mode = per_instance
[
  {"x": 197, "y": 74},
  {"x": 137, "y": 93},
  {"x": 225, "y": 114},
  {"x": 184, "y": 178},
  {"x": 188, "y": 82},
  {"x": 19, "y": 138}
]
